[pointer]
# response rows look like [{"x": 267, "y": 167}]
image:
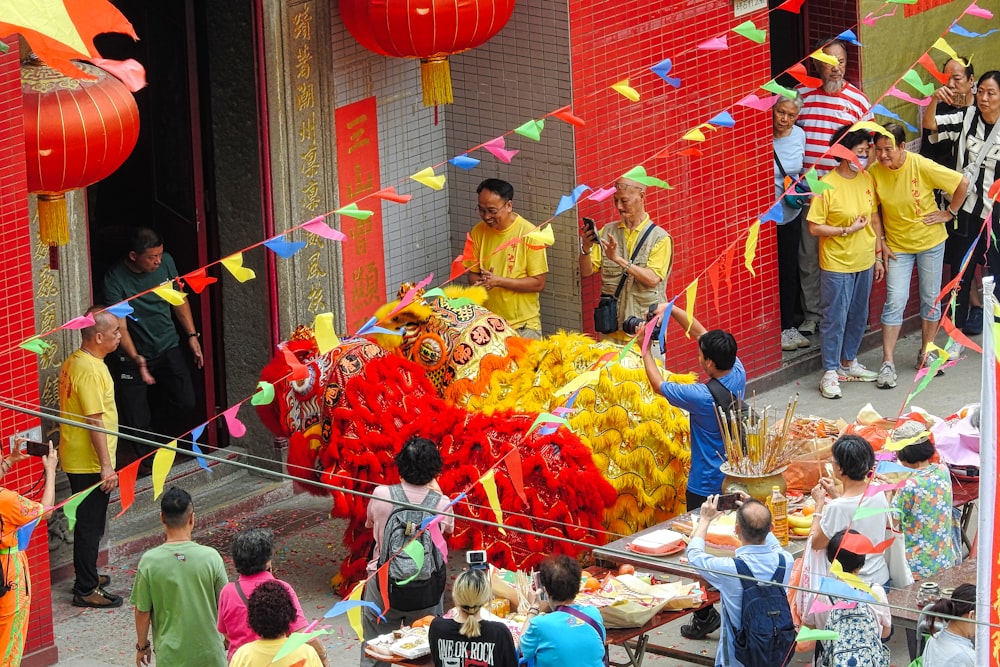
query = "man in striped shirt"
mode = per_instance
[{"x": 824, "y": 110}]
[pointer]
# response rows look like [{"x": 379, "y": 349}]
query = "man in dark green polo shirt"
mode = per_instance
[{"x": 153, "y": 387}]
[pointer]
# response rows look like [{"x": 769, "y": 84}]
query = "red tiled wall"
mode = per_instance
[
  {"x": 715, "y": 197},
  {"x": 19, "y": 374}
]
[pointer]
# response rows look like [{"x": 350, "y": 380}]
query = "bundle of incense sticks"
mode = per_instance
[{"x": 756, "y": 444}]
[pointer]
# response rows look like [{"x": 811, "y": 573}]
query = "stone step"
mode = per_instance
[{"x": 226, "y": 491}]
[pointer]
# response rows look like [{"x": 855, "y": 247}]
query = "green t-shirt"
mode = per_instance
[
  {"x": 153, "y": 331},
  {"x": 180, "y": 582}
]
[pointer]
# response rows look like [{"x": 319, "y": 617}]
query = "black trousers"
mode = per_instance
[
  {"x": 156, "y": 412},
  {"x": 788, "y": 237},
  {"x": 91, "y": 520},
  {"x": 990, "y": 258}
]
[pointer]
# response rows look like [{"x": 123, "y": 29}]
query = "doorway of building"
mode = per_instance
[{"x": 162, "y": 185}]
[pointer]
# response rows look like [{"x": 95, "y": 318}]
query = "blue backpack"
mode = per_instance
[{"x": 766, "y": 633}]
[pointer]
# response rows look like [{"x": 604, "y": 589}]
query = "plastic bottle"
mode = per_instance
[{"x": 778, "y": 505}]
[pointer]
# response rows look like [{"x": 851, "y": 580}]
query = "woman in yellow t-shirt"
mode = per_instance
[
  {"x": 846, "y": 220},
  {"x": 915, "y": 234}
]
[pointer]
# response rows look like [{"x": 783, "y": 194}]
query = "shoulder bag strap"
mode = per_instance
[
  {"x": 726, "y": 399},
  {"x": 589, "y": 621},
  {"x": 239, "y": 590},
  {"x": 777, "y": 161},
  {"x": 970, "y": 114},
  {"x": 635, "y": 253}
]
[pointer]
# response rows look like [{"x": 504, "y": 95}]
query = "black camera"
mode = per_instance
[{"x": 632, "y": 324}]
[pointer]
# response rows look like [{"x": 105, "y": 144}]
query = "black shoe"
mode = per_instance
[
  {"x": 699, "y": 629},
  {"x": 98, "y": 599},
  {"x": 103, "y": 580},
  {"x": 974, "y": 322}
]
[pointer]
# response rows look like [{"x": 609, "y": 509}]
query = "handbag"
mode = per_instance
[
  {"x": 895, "y": 558},
  {"x": 801, "y": 186},
  {"x": 606, "y": 313}
]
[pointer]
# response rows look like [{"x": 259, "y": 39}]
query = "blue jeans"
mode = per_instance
[
  {"x": 897, "y": 282},
  {"x": 843, "y": 301}
]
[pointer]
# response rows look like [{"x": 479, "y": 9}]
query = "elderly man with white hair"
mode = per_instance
[{"x": 633, "y": 256}]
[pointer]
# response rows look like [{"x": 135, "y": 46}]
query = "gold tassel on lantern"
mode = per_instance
[
  {"x": 435, "y": 76},
  {"x": 53, "y": 224}
]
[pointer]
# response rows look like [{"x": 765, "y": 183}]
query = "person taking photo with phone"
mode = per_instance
[
  {"x": 15, "y": 585},
  {"x": 633, "y": 257}
]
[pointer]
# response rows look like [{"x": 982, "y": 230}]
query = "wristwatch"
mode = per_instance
[
  {"x": 195, "y": 334},
  {"x": 844, "y": 233}
]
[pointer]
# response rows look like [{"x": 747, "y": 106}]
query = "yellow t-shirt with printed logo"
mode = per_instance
[
  {"x": 85, "y": 388},
  {"x": 907, "y": 195},
  {"x": 518, "y": 260},
  {"x": 849, "y": 199}
]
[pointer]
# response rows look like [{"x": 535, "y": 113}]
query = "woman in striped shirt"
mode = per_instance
[{"x": 977, "y": 136}]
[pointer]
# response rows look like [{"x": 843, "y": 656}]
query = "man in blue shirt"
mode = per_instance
[
  {"x": 717, "y": 358},
  {"x": 761, "y": 552}
]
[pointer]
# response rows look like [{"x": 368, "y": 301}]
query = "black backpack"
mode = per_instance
[
  {"x": 766, "y": 633},
  {"x": 422, "y": 588}
]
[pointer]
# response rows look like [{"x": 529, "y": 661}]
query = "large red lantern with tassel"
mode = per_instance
[
  {"x": 427, "y": 29},
  {"x": 76, "y": 133}
]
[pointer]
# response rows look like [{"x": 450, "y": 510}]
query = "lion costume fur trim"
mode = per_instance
[{"x": 638, "y": 440}]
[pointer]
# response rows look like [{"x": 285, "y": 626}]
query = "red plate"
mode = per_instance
[{"x": 669, "y": 551}]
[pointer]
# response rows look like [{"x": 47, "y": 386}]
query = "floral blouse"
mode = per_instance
[{"x": 925, "y": 508}]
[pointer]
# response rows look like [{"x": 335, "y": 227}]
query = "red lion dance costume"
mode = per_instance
[{"x": 349, "y": 411}]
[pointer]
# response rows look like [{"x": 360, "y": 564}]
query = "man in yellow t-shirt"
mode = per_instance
[
  {"x": 513, "y": 275},
  {"x": 611, "y": 254},
  {"x": 915, "y": 234},
  {"x": 87, "y": 397}
]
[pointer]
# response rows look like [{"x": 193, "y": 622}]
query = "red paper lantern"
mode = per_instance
[
  {"x": 427, "y": 29},
  {"x": 76, "y": 133}
]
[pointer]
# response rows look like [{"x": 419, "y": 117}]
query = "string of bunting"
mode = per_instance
[{"x": 198, "y": 280}]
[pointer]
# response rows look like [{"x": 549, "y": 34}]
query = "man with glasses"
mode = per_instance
[
  {"x": 611, "y": 253},
  {"x": 512, "y": 271}
]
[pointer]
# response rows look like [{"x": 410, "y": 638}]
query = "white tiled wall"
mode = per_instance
[{"x": 520, "y": 74}]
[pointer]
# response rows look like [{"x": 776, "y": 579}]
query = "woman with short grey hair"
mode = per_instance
[
  {"x": 789, "y": 147},
  {"x": 252, "y": 551}
]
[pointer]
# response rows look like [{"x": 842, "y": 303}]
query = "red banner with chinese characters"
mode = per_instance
[{"x": 358, "y": 175}]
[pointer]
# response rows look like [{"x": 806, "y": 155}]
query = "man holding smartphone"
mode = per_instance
[
  {"x": 87, "y": 400},
  {"x": 513, "y": 272},
  {"x": 717, "y": 358},
  {"x": 624, "y": 254}
]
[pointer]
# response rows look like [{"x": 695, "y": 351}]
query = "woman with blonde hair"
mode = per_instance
[{"x": 462, "y": 636}]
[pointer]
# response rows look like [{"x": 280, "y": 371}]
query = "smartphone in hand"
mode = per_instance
[
  {"x": 590, "y": 230},
  {"x": 35, "y": 448},
  {"x": 727, "y": 501}
]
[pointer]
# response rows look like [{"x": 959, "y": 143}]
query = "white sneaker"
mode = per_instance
[
  {"x": 856, "y": 373},
  {"x": 808, "y": 327},
  {"x": 886, "y": 376},
  {"x": 829, "y": 385},
  {"x": 799, "y": 338},
  {"x": 789, "y": 341}
]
